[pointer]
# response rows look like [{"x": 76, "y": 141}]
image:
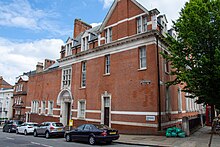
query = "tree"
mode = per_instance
[{"x": 195, "y": 54}]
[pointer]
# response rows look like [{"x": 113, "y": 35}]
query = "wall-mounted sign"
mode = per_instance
[{"x": 150, "y": 118}]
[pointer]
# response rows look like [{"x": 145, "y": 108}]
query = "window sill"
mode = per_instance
[
  {"x": 81, "y": 88},
  {"x": 167, "y": 73},
  {"x": 142, "y": 69},
  {"x": 81, "y": 118},
  {"x": 107, "y": 74}
]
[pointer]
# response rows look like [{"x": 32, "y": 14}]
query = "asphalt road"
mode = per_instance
[{"x": 20, "y": 140}]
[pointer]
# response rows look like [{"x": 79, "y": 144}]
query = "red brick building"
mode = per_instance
[
  {"x": 112, "y": 74},
  {"x": 19, "y": 97}
]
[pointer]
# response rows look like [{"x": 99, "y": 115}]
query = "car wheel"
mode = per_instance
[
  {"x": 9, "y": 130},
  {"x": 68, "y": 138},
  {"x": 91, "y": 140},
  {"x": 25, "y": 132},
  {"x": 35, "y": 133},
  {"x": 47, "y": 135},
  {"x": 16, "y": 131},
  {"x": 3, "y": 130}
]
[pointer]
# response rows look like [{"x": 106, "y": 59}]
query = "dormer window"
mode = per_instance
[
  {"x": 85, "y": 43},
  {"x": 69, "y": 49},
  {"x": 141, "y": 24},
  {"x": 108, "y": 35}
]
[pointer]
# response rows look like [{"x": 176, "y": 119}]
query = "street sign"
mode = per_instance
[{"x": 70, "y": 122}]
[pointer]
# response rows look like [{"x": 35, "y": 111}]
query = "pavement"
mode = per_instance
[{"x": 201, "y": 138}]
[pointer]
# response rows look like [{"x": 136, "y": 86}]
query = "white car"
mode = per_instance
[{"x": 27, "y": 128}]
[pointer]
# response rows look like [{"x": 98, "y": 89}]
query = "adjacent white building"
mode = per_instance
[{"x": 6, "y": 102}]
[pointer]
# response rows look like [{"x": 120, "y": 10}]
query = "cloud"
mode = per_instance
[
  {"x": 20, "y": 14},
  {"x": 95, "y": 24},
  {"x": 107, "y": 3},
  {"x": 19, "y": 57}
]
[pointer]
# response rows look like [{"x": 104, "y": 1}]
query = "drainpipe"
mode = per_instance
[{"x": 158, "y": 81}]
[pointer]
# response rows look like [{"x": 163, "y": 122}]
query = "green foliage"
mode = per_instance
[{"x": 195, "y": 55}]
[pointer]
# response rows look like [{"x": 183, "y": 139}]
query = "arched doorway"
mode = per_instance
[{"x": 65, "y": 101}]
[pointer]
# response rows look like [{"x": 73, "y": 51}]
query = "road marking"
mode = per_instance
[
  {"x": 35, "y": 143},
  {"x": 10, "y": 138},
  {"x": 46, "y": 145},
  {"x": 41, "y": 144}
]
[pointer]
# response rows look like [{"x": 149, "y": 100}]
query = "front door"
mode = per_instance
[
  {"x": 68, "y": 113},
  {"x": 106, "y": 116}
]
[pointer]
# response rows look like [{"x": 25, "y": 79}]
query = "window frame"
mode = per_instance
[
  {"x": 81, "y": 110},
  {"x": 107, "y": 64},
  {"x": 83, "y": 74},
  {"x": 142, "y": 57},
  {"x": 66, "y": 77},
  {"x": 50, "y": 111}
]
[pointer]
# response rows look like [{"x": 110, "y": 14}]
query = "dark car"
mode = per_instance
[
  {"x": 49, "y": 129},
  {"x": 92, "y": 134},
  {"x": 11, "y": 125}
]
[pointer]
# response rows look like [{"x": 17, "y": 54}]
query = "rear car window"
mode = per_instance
[
  {"x": 57, "y": 124},
  {"x": 102, "y": 127}
]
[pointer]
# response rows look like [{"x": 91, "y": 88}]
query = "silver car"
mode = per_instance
[{"x": 49, "y": 129}]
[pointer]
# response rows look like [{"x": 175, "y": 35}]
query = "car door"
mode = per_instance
[
  {"x": 40, "y": 129},
  {"x": 86, "y": 132},
  {"x": 77, "y": 133},
  {"x": 21, "y": 128}
]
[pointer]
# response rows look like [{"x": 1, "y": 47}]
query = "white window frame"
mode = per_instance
[
  {"x": 35, "y": 106},
  {"x": 144, "y": 23},
  {"x": 81, "y": 113},
  {"x": 107, "y": 64},
  {"x": 85, "y": 42},
  {"x": 142, "y": 57},
  {"x": 50, "y": 107},
  {"x": 43, "y": 107},
  {"x": 108, "y": 35},
  {"x": 69, "y": 49},
  {"x": 83, "y": 74},
  {"x": 103, "y": 97},
  {"x": 139, "y": 25},
  {"x": 66, "y": 77}
]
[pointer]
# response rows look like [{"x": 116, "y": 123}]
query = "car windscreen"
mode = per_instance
[
  {"x": 57, "y": 124},
  {"x": 102, "y": 127}
]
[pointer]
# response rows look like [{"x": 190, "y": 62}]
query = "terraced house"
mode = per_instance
[{"x": 112, "y": 74}]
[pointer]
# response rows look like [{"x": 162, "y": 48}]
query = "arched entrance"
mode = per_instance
[{"x": 65, "y": 101}]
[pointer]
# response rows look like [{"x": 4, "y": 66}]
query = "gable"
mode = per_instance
[{"x": 122, "y": 9}]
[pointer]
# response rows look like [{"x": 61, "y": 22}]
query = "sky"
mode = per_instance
[{"x": 34, "y": 30}]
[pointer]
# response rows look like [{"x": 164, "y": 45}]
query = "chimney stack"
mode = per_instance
[
  {"x": 48, "y": 63},
  {"x": 80, "y": 26},
  {"x": 39, "y": 67}
]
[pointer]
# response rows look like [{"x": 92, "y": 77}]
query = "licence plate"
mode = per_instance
[
  {"x": 112, "y": 133},
  {"x": 59, "y": 129}
]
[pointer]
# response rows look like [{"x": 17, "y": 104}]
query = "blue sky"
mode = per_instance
[{"x": 32, "y": 30}]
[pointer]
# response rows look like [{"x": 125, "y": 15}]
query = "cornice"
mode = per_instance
[{"x": 113, "y": 44}]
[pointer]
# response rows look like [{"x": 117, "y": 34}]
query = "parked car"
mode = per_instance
[
  {"x": 11, "y": 125},
  {"x": 26, "y": 128},
  {"x": 49, "y": 129},
  {"x": 92, "y": 134}
]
